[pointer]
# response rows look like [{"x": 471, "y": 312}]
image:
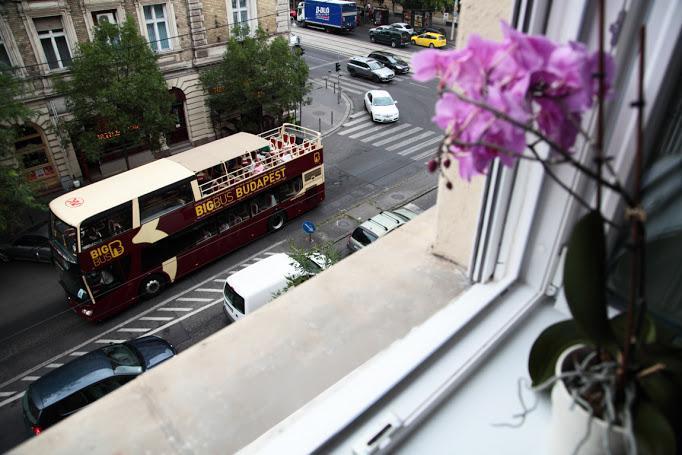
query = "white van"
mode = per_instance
[{"x": 252, "y": 287}]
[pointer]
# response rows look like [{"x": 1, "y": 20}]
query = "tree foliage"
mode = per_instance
[
  {"x": 117, "y": 89},
  {"x": 427, "y": 5},
  {"x": 17, "y": 194},
  {"x": 256, "y": 74},
  {"x": 305, "y": 267}
]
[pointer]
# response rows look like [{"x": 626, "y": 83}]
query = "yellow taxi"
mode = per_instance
[{"x": 429, "y": 39}]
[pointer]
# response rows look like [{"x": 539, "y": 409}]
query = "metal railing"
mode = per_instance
[{"x": 287, "y": 142}]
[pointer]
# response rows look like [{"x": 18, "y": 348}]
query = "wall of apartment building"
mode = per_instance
[
  {"x": 199, "y": 29},
  {"x": 458, "y": 208}
]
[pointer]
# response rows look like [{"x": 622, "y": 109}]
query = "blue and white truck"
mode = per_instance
[{"x": 327, "y": 14}]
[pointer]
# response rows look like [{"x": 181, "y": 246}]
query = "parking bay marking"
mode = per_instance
[
  {"x": 133, "y": 329},
  {"x": 109, "y": 341},
  {"x": 208, "y": 290},
  {"x": 157, "y": 318}
]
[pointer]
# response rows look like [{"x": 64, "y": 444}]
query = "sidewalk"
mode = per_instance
[{"x": 327, "y": 111}]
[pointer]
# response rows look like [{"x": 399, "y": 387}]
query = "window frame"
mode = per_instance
[
  {"x": 51, "y": 35},
  {"x": 171, "y": 25},
  {"x": 523, "y": 223},
  {"x": 252, "y": 14}
]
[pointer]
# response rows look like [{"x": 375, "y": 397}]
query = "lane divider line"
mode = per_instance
[
  {"x": 9, "y": 400},
  {"x": 108, "y": 341},
  {"x": 133, "y": 330},
  {"x": 188, "y": 315},
  {"x": 30, "y": 378},
  {"x": 174, "y": 309},
  {"x": 156, "y": 318},
  {"x": 193, "y": 299},
  {"x": 209, "y": 290}
]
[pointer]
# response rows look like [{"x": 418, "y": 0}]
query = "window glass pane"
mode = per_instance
[
  {"x": 245, "y": 16},
  {"x": 148, "y": 13},
  {"x": 63, "y": 49},
  {"x": 235, "y": 18},
  {"x": 49, "y": 53},
  {"x": 4, "y": 57},
  {"x": 234, "y": 4},
  {"x": 151, "y": 34},
  {"x": 242, "y": 3},
  {"x": 163, "y": 35},
  {"x": 158, "y": 10}
]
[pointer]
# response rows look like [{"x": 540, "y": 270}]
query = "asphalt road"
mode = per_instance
[{"x": 37, "y": 331}]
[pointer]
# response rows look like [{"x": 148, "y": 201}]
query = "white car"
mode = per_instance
[
  {"x": 381, "y": 106},
  {"x": 404, "y": 27}
]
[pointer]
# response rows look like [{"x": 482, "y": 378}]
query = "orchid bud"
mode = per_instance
[
  {"x": 433, "y": 165},
  {"x": 446, "y": 163},
  {"x": 448, "y": 185}
]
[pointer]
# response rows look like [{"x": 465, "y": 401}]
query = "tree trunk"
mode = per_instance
[{"x": 125, "y": 154}]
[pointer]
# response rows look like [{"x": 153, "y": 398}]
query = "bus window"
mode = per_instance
[
  {"x": 108, "y": 277},
  {"x": 262, "y": 202},
  {"x": 166, "y": 199},
  {"x": 289, "y": 189},
  {"x": 106, "y": 225}
]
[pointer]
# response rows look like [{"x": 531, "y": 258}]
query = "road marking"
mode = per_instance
[
  {"x": 192, "y": 299},
  {"x": 174, "y": 309},
  {"x": 109, "y": 341},
  {"x": 54, "y": 365},
  {"x": 362, "y": 133},
  {"x": 269, "y": 253},
  {"x": 410, "y": 140},
  {"x": 6, "y": 394},
  {"x": 74, "y": 351},
  {"x": 9, "y": 400},
  {"x": 420, "y": 86},
  {"x": 220, "y": 280},
  {"x": 428, "y": 153},
  {"x": 30, "y": 378},
  {"x": 428, "y": 143},
  {"x": 208, "y": 290},
  {"x": 356, "y": 121},
  {"x": 389, "y": 130},
  {"x": 198, "y": 310},
  {"x": 157, "y": 318},
  {"x": 398, "y": 136},
  {"x": 134, "y": 329},
  {"x": 367, "y": 123},
  {"x": 353, "y": 90},
  {"x": 356, "y": 115}
]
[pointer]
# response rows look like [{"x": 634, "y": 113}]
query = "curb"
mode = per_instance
[{"x": 346, "y": 113}]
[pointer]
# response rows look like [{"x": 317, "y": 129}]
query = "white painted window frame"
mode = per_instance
[
  {"x": 252, "y": 14},
  {"x": 169, "y": 12},
  {"x": 51, "y": 35},
  {"x": 34, "y": 38},
  {"x": 90, "y": 10},
  {"x": 525, "y": 256}
]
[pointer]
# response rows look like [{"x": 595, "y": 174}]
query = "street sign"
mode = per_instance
[{"x": 309, "y": 227}]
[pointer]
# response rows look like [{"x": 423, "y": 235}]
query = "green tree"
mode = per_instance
[
  {"x": 306, "y": 268},
  {"x": 117, "y": 92},
  {"x": 17, "y": 194},
  {"x": 427, "y": 5},
  {"x": 256, "y": 75}
]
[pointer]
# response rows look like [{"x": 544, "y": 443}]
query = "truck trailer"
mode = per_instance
[{"x": 327, "y": 14}]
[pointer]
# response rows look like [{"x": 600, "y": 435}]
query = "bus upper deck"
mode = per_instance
[{"x": 89, "y": 215}]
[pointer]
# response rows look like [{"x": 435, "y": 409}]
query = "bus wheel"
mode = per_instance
[
  {"x": 277, "y": 221},
  {"x": 151, "y": 286}
]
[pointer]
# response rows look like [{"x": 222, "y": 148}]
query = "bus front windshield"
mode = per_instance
[{"x": 64, "y": 237}]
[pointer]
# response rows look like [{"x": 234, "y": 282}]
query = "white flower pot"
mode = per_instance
[{"x": 569, "y": 425}]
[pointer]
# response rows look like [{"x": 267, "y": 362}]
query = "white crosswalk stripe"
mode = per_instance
[
  {"x": 357, "y": 120},
  {"x": 426, "y": 154},
  {"x": 430, "y": 143},
  {"x": 365, "y": 132},
  {"x": 6, "y": 394},
  {"x": 410, "y": 140},
  {"x": 368, "y": 122},
  {"x": 389, "y": 130},
  {"x": 356, "y": 115},
  {"x": 397, "y": 136}
]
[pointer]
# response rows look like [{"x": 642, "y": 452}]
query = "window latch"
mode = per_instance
[{"x": 380, "y": 436}]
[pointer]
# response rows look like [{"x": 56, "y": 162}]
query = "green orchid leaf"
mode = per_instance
[
  {"x": 647, "y": 332},
  {"x": 653, "y": 433},
  {"x": 547, "y": 348},
  {"x": 664, "y": 394},
  {"x": 585, "y": 278}
]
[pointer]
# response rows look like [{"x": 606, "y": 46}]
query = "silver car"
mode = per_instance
[
  {"x": 378, "y": 226},
  {"x": 369, "y": 68}
]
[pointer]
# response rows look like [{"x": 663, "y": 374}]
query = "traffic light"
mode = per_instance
[{"x": 338, "y": 66}]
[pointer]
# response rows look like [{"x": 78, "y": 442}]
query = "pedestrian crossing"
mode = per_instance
[
  {"x": 356, "y": 85},
  {"x": 401, "y": 137}
]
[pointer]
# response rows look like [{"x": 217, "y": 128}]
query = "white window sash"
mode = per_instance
[
  {"x": 156, "y": 41},
  {"x": 51, "y": 35}
]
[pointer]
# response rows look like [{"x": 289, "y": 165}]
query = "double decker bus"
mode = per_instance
[{"x": 130, "y": 235}]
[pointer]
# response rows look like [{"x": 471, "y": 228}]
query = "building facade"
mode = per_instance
[{"x": 39, "y": 38}]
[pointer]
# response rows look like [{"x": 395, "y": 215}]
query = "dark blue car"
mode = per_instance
[{"x": 85, "y": 379}]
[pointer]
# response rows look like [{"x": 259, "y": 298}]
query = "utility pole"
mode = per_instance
[{"x": 455, "y": 19}]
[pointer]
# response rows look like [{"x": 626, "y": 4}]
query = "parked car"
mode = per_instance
[
  {"x": 429, "y": 39},
  {"x": 252, "y": 287},
  {"x": 388, "y": 35},
  {"x": 381, "y": 106},
  {"x": 391, "y": 61},
  {"x": 74, "y": 385},
  {"x": 378, "y": 226},
  {"x": 432, "y": 29},
  {"x": 30, "y": 245},
  {"x": 369, "y": 68},
  {"x": 404, "y": 27}
]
